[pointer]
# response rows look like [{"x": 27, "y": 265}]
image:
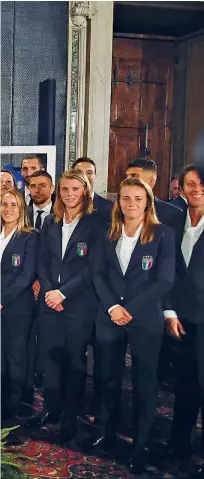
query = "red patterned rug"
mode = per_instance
[{"x": 49, "y": 460}]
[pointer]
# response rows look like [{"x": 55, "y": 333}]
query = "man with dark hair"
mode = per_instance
[
  {"x": 101, "y": 204},
  {"x": 174, "y": 187},
  {"x": 41, "y": 189},
  {"x": 146, "y": 170},
  {"x": 30, "y": 165},
  {"x": 184, "y": 313},
  {"x": 177, "y": 199}
]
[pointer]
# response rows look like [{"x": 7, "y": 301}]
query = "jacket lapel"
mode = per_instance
[
  {"x": 56, "y": 238},
  {"x": 76, "y": 235},
  {"x": 112, "y": 256},
  {"x": 30, "y": 214},
  {"x": 179, "y": 237},
  {"x": 136, "y": 256},
  {"x": 9, "y": 248},
  {"x": 197, "y": 250}
]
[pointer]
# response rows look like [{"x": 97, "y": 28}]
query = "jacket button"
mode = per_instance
[{"x": 121, "y": 297}]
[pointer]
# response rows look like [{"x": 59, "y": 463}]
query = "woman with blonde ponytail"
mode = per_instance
[
  {"x": 19, "y": 244},
  {"x": 133, "y": 267}
]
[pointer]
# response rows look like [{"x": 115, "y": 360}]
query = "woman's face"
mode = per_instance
[
  {"x": 133, "y": 201},
  {"x": 9, "y": 209},
  {"x": 72, "y": 192},
  {"x": 6, "y": 182}
]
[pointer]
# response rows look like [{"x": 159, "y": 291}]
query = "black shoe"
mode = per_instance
[
  {"x": 137, "y": 464},
  {"x": 41, "y": 419},
  {"x": 99, "y": 442},
  {"x": 174, "y": 453},
  {"x": 199, "y": 473}
]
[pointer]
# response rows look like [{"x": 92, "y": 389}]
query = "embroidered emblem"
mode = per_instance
[
  {"x": 81, "y": 249},
  {"x": 16, "y": 259},
  {"x": 147, "y": 262}
]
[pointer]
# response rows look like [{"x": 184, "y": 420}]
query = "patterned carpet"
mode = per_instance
[{"x": 49, "y": 460}]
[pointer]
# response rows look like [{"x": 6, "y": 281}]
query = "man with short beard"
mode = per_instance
[
  {"x": 29, "y": 166},
  {"x": 41, "y": 188}
]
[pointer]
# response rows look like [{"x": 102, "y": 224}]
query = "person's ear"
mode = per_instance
[
  {"x": 152, "y": 181},
  {"x": 52, "y": 189}
]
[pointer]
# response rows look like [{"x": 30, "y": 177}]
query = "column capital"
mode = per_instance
[{"x": 79, "y": 12}]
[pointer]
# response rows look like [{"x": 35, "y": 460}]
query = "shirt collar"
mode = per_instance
[
  {"x": 188, "y": 222},
  {"x": 27, "y": 191},
  {"x": 46, "y": 208},
  {"x": 2, "y": 236},
  {"x": 65, "y": 224},
  {"x": 136, "y": 235},
  {"x": 92, "y": 195}
]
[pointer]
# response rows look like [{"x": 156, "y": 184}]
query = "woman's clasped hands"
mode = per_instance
[{"x": 120, "y": 316}]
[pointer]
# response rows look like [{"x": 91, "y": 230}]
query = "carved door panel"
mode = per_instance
[{"x": 141, "y": 108}]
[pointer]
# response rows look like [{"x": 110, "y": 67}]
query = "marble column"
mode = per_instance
[{"x": 100, "y": 89}]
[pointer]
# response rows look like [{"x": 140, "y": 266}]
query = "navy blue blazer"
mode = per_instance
[
  {"x": 75, "y": 267},
  {"x": 165, "y": 211},
  {"x": 140, "y": 289},
  {"x": 103, "y": 206},
  {"x": 186, "y": 297},
  {"x": 18, "y": 272},
  {"x": 180, "y": 203}
]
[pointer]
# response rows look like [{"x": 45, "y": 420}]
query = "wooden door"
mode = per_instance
[{"x": 141, "y": 108}]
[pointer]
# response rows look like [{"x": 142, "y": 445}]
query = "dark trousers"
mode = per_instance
[
  {"x": 15, "y": 329},
  {"x": 65, "y": 339},
  {"x": 188, "y": 358},
  {"x": 32, "y": 352},
  {"x": 144, "y": 348}
]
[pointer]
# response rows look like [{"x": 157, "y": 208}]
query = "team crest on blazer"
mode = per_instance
[
  {"x": 147, "y": 262},
  {"x": 82, "y": 249},
  {"x": 16, "y": 259}
]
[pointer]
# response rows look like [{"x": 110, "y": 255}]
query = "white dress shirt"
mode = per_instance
[
  {"x": 5, "y": 240},
  {"x": 27, "y": 195},
  {"x": 190, "y": 238},
  {"x": 124, "y": 249},
  {"x": 46, "y": 212},
  {"x": 67, "y": 230}
]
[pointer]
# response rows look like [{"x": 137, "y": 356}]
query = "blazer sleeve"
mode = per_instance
[
  {"x": 165, "y": 272},
  {"x": 71, "y": 288},
  {"x": 44, "y": 259},
  {"x": 28, "y": 274},
  {"x": 101, "y": 281}
]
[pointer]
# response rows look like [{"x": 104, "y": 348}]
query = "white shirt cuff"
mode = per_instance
[
  {"x": 64, "y": 297},
  {"x": 169, "y": 313},
  {"x": 113, "y": 307}
]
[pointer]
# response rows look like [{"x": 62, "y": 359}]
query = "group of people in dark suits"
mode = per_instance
[{"x": 108, "y": 275}]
